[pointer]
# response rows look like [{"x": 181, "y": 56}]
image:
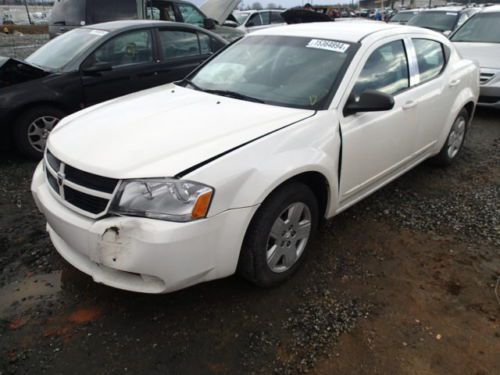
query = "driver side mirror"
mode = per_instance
[
  {"x": 209, "y": 23},
  {"x": 370, "y": 101},
  {"x": 97, "y": 68}
]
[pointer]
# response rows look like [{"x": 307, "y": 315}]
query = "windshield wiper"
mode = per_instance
[
  {"x": 191, "y": 83},
  {"x": 235, "y": 95}
]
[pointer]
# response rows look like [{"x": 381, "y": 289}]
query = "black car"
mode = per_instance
[
  {"x": 89, "y": 65},
  {"x": 443, "y": 19}
]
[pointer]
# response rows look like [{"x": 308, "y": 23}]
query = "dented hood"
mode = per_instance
[
  {"x": 162, "y": 131},
  {"x": 13, "y": 71},
  {"x": 219, "y": 10}
]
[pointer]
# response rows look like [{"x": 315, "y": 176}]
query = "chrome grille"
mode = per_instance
[
  {"x": 84, "y": 192},
  {"x": 485, "y": 77}
]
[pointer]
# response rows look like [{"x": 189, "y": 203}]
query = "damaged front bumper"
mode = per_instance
[{"x": 140, "y": 254}]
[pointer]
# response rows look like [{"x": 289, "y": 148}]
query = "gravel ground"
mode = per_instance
[{"x": 403, "y": 282}]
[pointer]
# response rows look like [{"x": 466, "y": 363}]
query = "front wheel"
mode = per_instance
[
  {"x": 279, "y": 235},
  {"x": 32, "y": 129},
  {"x": 455, "y": 141}
]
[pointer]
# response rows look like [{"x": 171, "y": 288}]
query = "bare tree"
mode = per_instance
[{"x": 257, "y": 6}]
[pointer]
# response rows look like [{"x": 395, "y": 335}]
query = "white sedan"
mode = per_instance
[{"x": 231, "y": 169}]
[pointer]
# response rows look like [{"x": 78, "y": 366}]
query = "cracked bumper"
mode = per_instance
[{"x": 144, "y": 255}]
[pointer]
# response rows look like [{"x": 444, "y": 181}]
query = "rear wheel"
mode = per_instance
[
  {"x": 33, "y": 128},
  {"x": 279, "y": 235},
  {"x": 455, "y": 141}
]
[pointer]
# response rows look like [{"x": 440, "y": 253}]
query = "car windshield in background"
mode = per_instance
[
  {"x": 440, "y": 21},
  {"x": 58, "y": 52},
  {"x": 403, "y": 17},
  {"x": 279, "y": 70},
  {"x": 482, "y": 28},
  {"x": 241, "y": 17}
]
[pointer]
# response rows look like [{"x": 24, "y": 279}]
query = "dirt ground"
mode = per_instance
[{"x": 402, "y": 283}]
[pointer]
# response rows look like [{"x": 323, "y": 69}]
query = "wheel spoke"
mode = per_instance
[
  {"x": 274, "y": 255},
  {"x": 295, "y": 213},
  {"x": 303, "y": 230},
  {"x": 34, "y": 130},
  {"x": 290, "y": 257}
]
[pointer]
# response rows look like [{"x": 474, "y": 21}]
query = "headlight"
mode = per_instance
[{"x": 163, "y": 198}]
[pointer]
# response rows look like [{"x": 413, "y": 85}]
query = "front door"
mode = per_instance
[
  {"x": 377, "y": 145},
  {"x": 133, "y": 67}
]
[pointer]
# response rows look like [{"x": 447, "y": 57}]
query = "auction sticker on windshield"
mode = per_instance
[
  {"x": 328, "y": 45},
  {"x": 98, "y": 32}
]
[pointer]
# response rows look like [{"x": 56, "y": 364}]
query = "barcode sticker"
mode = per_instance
[{"x": 328, "y": 45}]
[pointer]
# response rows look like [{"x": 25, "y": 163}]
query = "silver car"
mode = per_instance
[{"x": 479, "y": 39}]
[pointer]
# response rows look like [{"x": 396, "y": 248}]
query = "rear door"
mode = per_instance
[
  {"x": 131, "y": 55},
  {"x": 182, "y": 50},
  {"x": 376, "y": 146}
]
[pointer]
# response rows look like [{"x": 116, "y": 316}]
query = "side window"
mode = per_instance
[
  {"x": 386, "y": 70},
  {"x": 175, "y": 44},
  {"x": 254, "y": 20},
  {"x": 205, "y": 45},
  {"x": 161, "y": 11},
  {"x": 130, "y": 48},
  {"x": 191, "y": 15},
  {"x": 265, "y": 17},
  {"x": 430, "y": 58},
  {"x": 276, "y": 17}
]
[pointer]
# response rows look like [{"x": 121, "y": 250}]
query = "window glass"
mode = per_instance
[
  {"x": 276, "y": 17},
  {"x": 430, "y": 58},
  {"x": 254, "y": 20},
  {"x": 161, "y": 11},
  {"x": 464, "y": 17},
  {"x": 127, "y": 49},
  {"x": 435, "y": 20},
  {"x": 191, "y": 15},
  {"x": 175, "y": 44},
  {"x": 205, "y": 47},
  {"x": 386, "y": 70},
  {"x": 111, "y": 10},
  {"x": 482, "y": 28},
  {"x": 265, "y": 18}
]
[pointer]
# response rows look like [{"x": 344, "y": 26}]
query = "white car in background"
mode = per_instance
[
  {"x": 479, "y": 39},
  {"x": 231, "y": 169},
  {"x": 253, "y": 20}
]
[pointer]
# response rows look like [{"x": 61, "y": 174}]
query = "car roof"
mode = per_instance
[
  {"x": 348, "y": 31},
  {"x": 491, "y": 9},
  {"x": 134, "y": 24},
  {"x": 446, "y": 9}
]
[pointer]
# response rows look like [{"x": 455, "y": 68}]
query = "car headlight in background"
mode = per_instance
[{"x": 163, "y": 198}]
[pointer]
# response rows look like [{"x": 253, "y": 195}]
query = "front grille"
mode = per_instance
[
  {"x": 87, "y": 192},
  {"x": 485, "y": 77},
  {"x": 489, "y": 99},
  {"x": 84, "y": 201}
]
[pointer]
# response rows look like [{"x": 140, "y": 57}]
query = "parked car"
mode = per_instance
[
  {"x": 403, "y": 16},
  {"x": 444, "y": 19},
  {"x": 69, "y": 14},
  {"x": 479, "y": 39},
  {"x": 231, "y": 169},
  {"x": 252, "y": 20},
  {"x": 89, "y": 65}
]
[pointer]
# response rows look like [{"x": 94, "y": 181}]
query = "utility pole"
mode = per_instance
[{"x": 27, "y": 11}]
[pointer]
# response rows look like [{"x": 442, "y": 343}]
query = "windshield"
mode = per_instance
[
  {"x": 287, "y": 71},
  {"x": 441, "y": 21},
  {"x": 403, "y": 17},
  {"x": 61, "y": 50},
  {"x": 241, "y": 17},
  {"x": 482, "y": 28}
]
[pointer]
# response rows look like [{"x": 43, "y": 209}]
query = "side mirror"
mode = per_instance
[
  {"x": 97, "y": 68},
  {"x": 370, "y": 101},
  {"x": 209, "y": 23}
]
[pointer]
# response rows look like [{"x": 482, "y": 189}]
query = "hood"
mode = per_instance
[
  {"x": 162, "y": 131},
  {"x": 219, "y": 10},
  {"x": 228, "y": 33},
  {"x": 14, "y": 71},
  {"x": 486, "y": 54},
  {"x": 303, "y": 16}
]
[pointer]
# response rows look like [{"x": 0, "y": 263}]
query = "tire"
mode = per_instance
[
  {"x": 454, "y": 142},
  {"x": 259, "y": 242},
  {"x": 32, "y": 129}
]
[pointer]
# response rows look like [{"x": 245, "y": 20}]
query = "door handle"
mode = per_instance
[
  {"x": 409, "y": 104},
  {"x": 454, "y": 82}
]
